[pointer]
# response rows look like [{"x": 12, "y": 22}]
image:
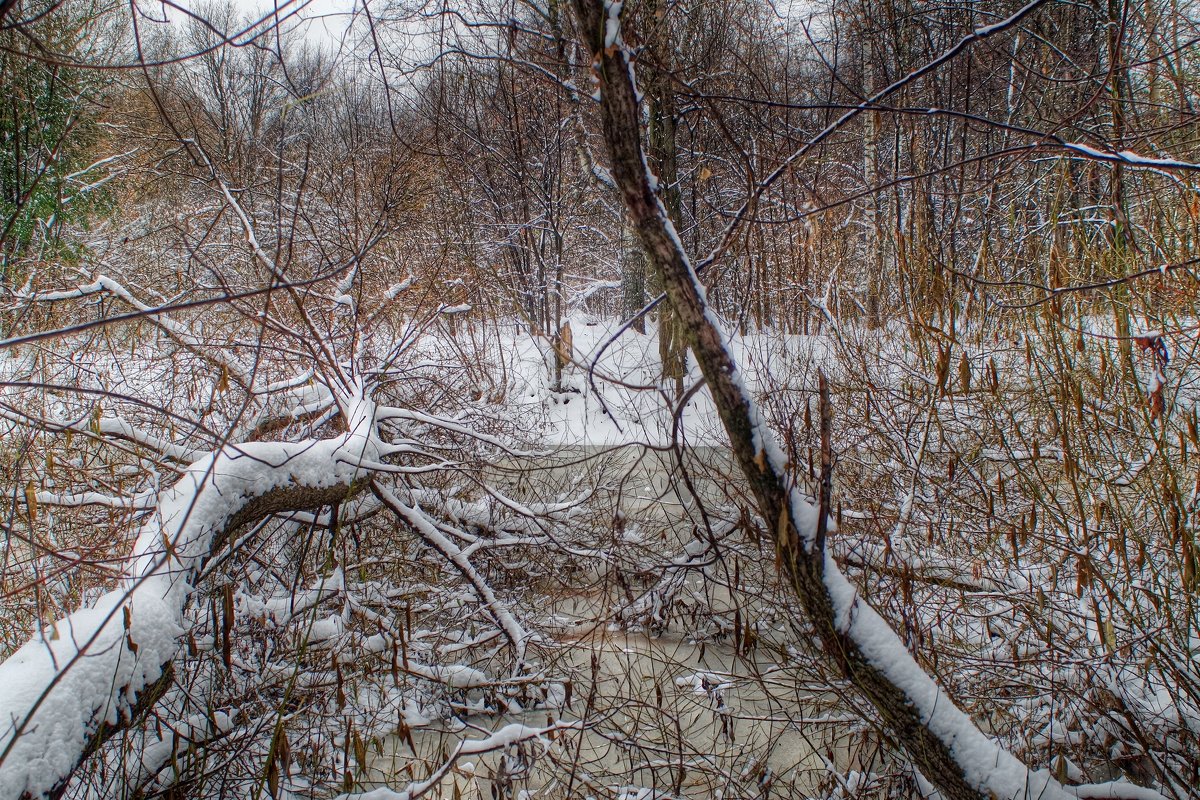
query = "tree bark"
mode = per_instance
[{"x": 662, "y": 155}]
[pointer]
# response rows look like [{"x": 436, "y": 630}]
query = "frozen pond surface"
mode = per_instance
[{"x": 666, "y": 715}]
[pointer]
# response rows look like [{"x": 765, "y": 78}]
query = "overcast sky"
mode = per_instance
[{"x": 323, "y": 21}]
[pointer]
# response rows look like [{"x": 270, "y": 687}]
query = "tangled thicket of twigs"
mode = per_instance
[{"x": 266, "y": 464}]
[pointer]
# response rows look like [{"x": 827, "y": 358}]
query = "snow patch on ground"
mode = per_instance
[{"x": 613, "y": 394}]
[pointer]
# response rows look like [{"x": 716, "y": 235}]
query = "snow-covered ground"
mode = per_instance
[{"x": 613, "y": 393}]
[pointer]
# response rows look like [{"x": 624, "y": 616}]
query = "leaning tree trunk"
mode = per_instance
[
  {"x": 99, "y": 669},
  {"x": 943, "y": 743}
]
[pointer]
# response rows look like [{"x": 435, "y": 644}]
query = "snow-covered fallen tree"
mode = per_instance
[
  {"x": 191, "y": 447},
  {"x": 87, "y": 675},
  {"x": 98, "y": 671}
]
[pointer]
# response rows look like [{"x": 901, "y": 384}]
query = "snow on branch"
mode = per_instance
[
  {"x": 451, "y": 426},
  {"x": 122, "y": 429},
  {"x": 516, "y": 635},
  {"x": 138, "y": 502},
  {"x": 233, "y": 367},
  {"x": 497, "y": 740},
  {"x": 107, "y": 426},
  {"x": 1130, "y": 158},
  {"x": 84, "y": 676}
]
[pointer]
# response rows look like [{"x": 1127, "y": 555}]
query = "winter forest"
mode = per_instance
[{"x": 642, "y": 400}]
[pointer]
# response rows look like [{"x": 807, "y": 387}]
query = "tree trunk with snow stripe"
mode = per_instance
[{"x": 948, "y": 749}]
